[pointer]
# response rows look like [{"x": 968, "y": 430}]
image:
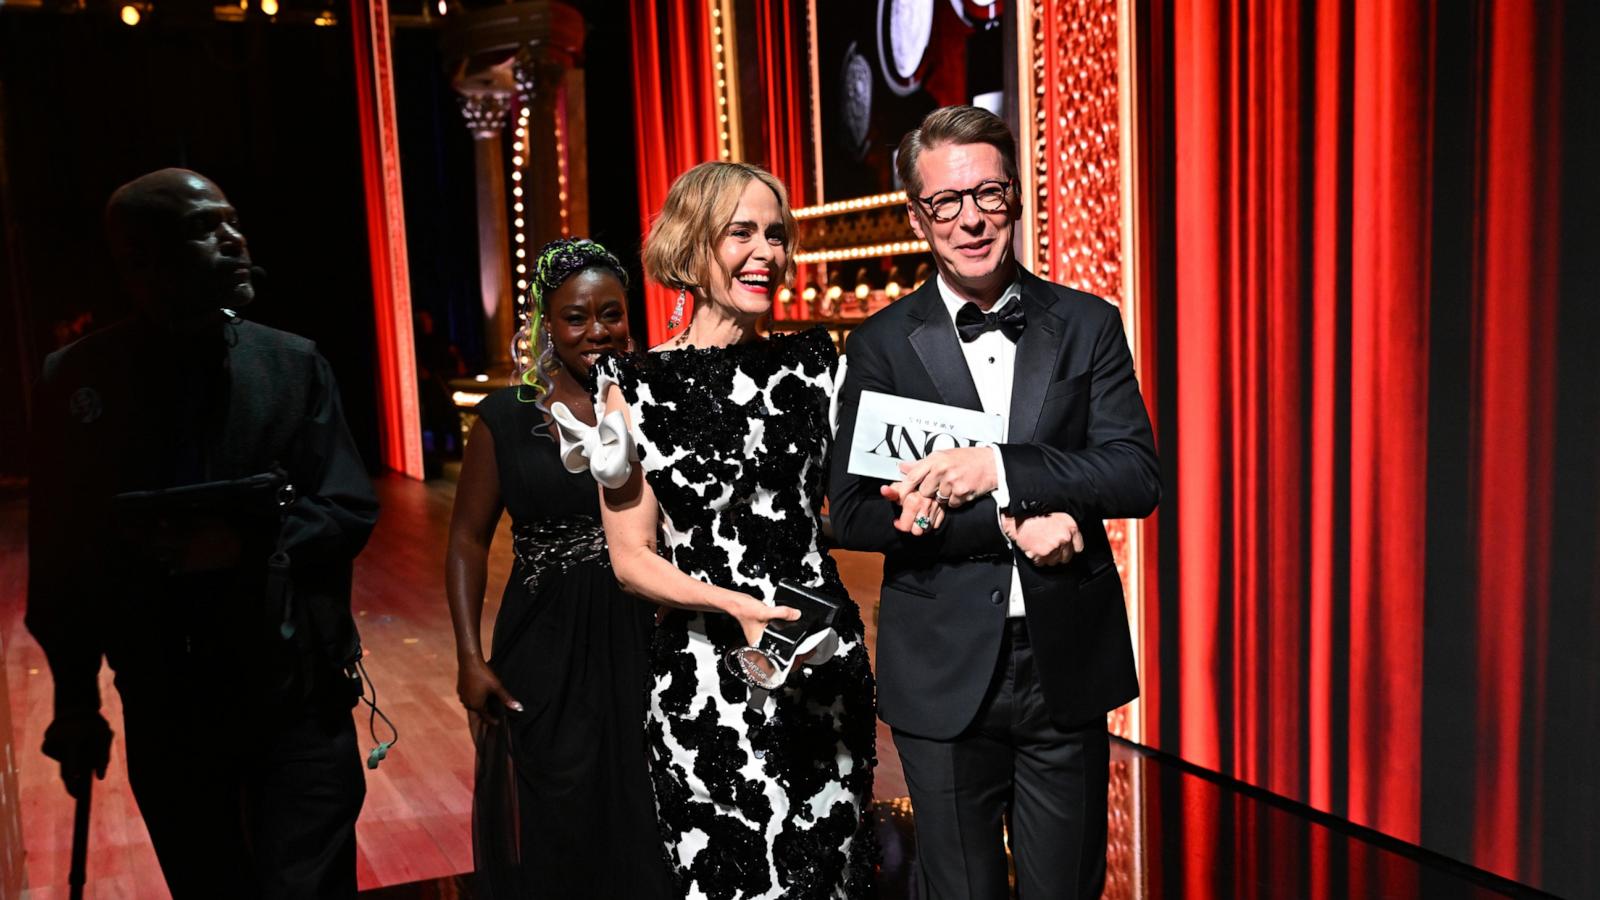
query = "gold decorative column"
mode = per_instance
[
  {"x": 519, "y": 65},
  {"x": 1076, "y": 89},
  {"x": 1074, "y": 94},
  {"x": 485, "y": 110}
]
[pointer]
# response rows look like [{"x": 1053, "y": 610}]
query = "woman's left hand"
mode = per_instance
[{"x": 753, "y": 616}]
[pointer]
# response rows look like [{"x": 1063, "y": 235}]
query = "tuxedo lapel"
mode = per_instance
[
  {"x": 933, "y": 337},
  {"x": 1035, "y": 360}
]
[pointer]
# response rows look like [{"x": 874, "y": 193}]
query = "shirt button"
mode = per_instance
[{"x": 996, "y": 597}]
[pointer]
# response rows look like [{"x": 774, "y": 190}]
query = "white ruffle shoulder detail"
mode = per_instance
[{"x": 605, "y": 449}]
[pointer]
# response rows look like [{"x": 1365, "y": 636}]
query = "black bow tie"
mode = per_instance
[{"x": 1010, "y": 321}]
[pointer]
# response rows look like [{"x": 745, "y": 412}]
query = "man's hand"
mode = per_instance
[
  {"x": 81, "y": 743},
  {"x": 1051, "y": 540},
  {"x": 914, "y": 509},
  {"x": 955, "y": 477},
  {"x": 476, "y": 683}
]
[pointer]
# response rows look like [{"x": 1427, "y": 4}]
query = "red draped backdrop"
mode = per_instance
[
  {"x": 1358, "y": 314},
  {"x": 674, "y": 113},
  {"x": 676, "y": 108}
]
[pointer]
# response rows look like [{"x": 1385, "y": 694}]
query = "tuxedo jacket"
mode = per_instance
[{"x": 1078, "y": 441}]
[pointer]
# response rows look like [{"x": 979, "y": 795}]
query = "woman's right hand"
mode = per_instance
[
  {"x": 476, "y": 683},
  {"x": 753, "y": 616}
]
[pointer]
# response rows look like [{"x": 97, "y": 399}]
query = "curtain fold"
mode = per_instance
[
  {"x": 674, "y": 115},
  {"x": 1359, "y": 297}
]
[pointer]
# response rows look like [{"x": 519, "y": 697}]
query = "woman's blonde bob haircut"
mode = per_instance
[{"x": 700, "y": 204}]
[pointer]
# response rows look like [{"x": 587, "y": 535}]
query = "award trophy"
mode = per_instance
[{"x": 767, "y": 664}]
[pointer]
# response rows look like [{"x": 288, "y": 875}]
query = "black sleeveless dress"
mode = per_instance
[{"x": 562, "y": 804}]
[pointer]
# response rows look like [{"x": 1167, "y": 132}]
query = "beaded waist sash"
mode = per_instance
[{"x": 550, "y": 547}]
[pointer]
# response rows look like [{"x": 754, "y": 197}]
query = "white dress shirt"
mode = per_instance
[{"x": 991, "y": 358}]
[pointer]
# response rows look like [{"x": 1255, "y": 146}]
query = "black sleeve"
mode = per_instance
[
  {"x": 862, "y": 519},
  {"x": 335, "y": 508},
  {"x": 61, "y": 612},
  {"x": 1116, "y": 474}
]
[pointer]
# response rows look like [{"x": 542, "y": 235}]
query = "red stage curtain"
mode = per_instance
[
  {"x": 783, "y": 121},
  {"x": 675, "y": 117},
  {"x": 400, "y": 418},
  {"x": 676, "y": 111},
  {"x": 1355, "y": 354}
]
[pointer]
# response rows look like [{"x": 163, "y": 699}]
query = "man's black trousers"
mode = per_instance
[
  {"x": 243, "y": 800},
  {"x": 1011, "y": 767}
]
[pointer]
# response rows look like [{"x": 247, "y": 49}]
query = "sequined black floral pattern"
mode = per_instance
[
  {"x": 758, "y": 796},
  {"x": 549, "y": 547}
]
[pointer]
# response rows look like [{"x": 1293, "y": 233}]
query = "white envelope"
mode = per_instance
[{"x": 891, "y": 430}]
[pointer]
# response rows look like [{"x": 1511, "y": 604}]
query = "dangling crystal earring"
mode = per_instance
[{"x": 676, "y": 318}]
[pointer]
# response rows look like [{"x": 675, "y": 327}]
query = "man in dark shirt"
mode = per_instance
[{"x": 236, "y": 683}]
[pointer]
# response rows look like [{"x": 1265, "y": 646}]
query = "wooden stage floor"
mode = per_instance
[{"x": 414, "y": 824}]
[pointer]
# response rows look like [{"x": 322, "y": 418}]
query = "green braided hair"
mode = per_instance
[{"x": 555, "y": 263}]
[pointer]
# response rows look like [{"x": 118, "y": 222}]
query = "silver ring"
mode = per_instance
[
  {"x": 941, "y": 496},
  {"x": 922, "y": 521}
]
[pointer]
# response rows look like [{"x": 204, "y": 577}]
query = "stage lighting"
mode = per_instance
[
  {"x": 270, "y": 7},
  {"x": 130, "y": 15},
  {"x": 863, "y": 284}
]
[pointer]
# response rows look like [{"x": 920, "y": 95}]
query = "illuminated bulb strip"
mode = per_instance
[
  {"x": 520, "y": 159},
  {"x": 561, "y": 160},
  {"x": 851, "y": 205},
  {"x": 722, "y": 54},
  {"x": 869, "y": 252}
]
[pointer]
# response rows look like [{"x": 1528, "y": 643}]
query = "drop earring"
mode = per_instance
[{"x": 676, "y": 318}]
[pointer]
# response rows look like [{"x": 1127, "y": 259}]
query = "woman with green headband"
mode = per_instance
[{"x": 562, "y": 804}]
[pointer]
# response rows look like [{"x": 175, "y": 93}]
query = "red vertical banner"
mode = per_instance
[
  {"x": 1324, "y": 537},
  {"x": 1284, "y": 271},
  {"x": 1389, "y": 290},
  {"x": 400, "y": 422},
  {"x": 675, "y": 114},
  {"x": 1198, "y": 134},
  {"x": 1514, "y": 358},
  {"x": 777, "y": 55}
]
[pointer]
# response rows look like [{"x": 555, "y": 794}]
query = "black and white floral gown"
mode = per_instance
[{"x": 759, "y": 795}]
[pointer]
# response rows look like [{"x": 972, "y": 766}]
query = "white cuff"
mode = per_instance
[
  {"x": 833, "y": 396},
  {"x": 605, "y": 450},
  {"x": 1002, "y": 497}
]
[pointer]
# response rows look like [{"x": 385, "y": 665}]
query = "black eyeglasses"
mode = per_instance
[{"x": 990, "y": 196}]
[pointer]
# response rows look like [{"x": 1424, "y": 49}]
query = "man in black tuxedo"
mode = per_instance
[{"x": 1002, "y": 634}]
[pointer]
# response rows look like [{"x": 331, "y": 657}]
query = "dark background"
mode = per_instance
[{"x": 269, "y": 112}]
